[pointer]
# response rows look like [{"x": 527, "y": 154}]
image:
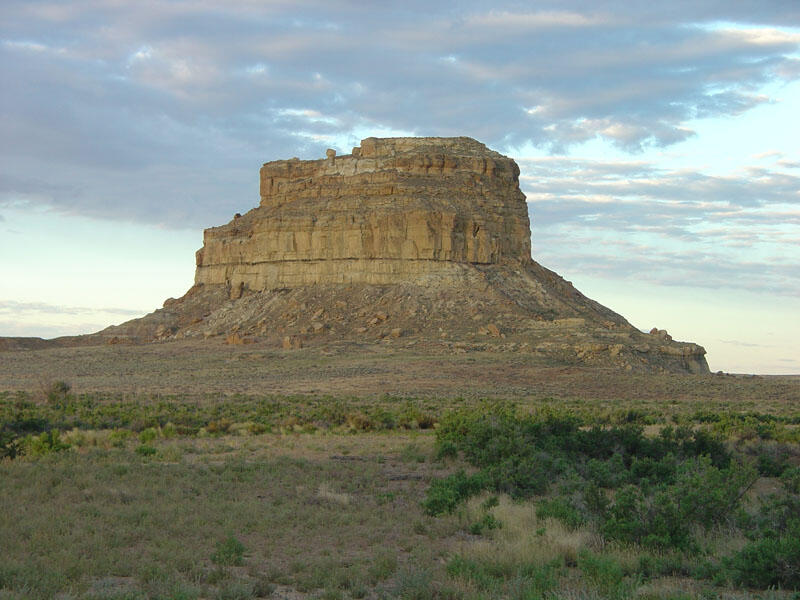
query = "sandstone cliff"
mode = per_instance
[
  {"x": 417, "y": 243},
  {"x": 392, "y": 211}
]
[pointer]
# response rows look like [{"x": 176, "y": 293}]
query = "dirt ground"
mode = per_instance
[{"x": 365, "y": 370}]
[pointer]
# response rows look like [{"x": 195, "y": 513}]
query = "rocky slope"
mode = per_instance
[{"x": 407, "y": 241}]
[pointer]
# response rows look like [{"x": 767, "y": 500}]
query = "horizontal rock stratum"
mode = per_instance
[
  {"x": 394, "y": 210},
  {"x": 420, "y": 244}
]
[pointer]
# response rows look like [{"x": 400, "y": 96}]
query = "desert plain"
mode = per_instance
[{"x": 373, "y": 391}]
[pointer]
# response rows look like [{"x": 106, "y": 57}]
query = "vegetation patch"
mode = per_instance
[
  {"x": 675, "y": 492},
  {"x": 154, "y": 496}
]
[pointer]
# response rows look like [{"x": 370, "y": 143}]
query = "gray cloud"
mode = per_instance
[{"x": 163, "y": 112}]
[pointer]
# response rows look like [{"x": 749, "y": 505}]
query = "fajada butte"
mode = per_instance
[{"x": 411, "y": 242}]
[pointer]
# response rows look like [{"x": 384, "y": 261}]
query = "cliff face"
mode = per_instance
[{"x": 393, "y": 210}]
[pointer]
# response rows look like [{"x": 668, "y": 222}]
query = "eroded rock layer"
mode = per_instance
[{"x": 394, "y": 210}]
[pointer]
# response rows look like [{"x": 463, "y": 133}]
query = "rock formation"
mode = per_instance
[
  {"x": 393, "y": 211},
  {"x": 414, "y": 242}
]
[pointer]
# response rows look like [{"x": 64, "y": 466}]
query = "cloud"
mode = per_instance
[
  {"x": 160, "y": 112},
  {"x": 11, "y": 307},
  {"x": 636, "y": 220},
  {"x": 745, "y": 344},
  {"x": 41, "y": 319}
]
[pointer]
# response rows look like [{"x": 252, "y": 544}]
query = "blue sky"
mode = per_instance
[{"x": 658, "y": 144}]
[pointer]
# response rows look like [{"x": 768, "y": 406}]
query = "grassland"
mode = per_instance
[{"x": 171, "y": 484}]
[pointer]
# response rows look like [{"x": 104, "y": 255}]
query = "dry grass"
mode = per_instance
[
  {"x": 325, "y": 492},
  {"x": 210, "y": 367},
  {"x": 316, "y": 513},
  {"x": 523, "y": 538}
]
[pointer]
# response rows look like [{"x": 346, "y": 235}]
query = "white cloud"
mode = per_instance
[
  {"x": 634, "y": 219},
  {"x": 515, "y": 21}
]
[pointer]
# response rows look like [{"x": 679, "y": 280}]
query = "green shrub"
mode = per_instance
[
  {"x": 145, "y": 450},
  {"x": 559, "y": 508},
  {"x": 118, "y": 437},
  {"x": 229, "y": 553},
  {"x": 663, "y": 515},
  {"x": 486, "y": 523},
  {"x": 768, "y": 562},
  {"x": 609, "y": 473},
  {"x": 791, "y": 480},
  {"x": 44, "y": 443},
  {"x": 446, "y": 449},
  {"x": 10, "y": 446},
  {"x": 495, "y": 578},
  {"x": 148, "y": 435},
  {"x": 650, "y": 566},
  {"x": 522, "y": 455},
  {"x": 445, "y": 494},
  {"x": 605, "y": 574},
  {"x": 666, "y": 488}
]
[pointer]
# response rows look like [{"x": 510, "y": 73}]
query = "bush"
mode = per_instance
[
  {"x": 604, "y": 573},
  {"x": 523, "y": 580},
  {"x": 769, "y": 562},
  {"x": 44, "y": 443},
  {"x": 445, "y": 494},
  {"x": 118, "y": 437},
  {"x": 148, "y": 435},
  {"x": 522, "y": 455},
  {"x": 559, "y": 508},
  {"x": 229, "y": 553},
  {"x": 57, "y": 392},
  {"x": 145, "y": 450},
  {"x": 486, "y": 523},
  {"x": 10, "y": 446},
  {"x": 791, "y": 480},
  {"x": 665, "y": 514}
]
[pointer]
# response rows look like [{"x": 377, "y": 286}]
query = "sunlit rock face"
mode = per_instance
[{"x": 394, "y": 210}]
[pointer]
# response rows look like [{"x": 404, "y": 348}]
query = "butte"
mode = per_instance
[{"x": 411, "y": 242}]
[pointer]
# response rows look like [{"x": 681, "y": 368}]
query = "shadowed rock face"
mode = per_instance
[
  {"x": 394, "y": 210},
  {"x": 419, "y": 243}
]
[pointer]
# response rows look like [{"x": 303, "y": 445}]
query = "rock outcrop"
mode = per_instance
[
  {"x": 394, "y": 210},
  {"x": 415, "y": 242}
]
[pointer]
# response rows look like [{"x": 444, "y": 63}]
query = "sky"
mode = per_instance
[{"x": 658, "y": 143}]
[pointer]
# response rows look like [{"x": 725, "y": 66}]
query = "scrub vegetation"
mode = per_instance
[{"x": 127, "y": 496}]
